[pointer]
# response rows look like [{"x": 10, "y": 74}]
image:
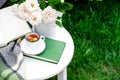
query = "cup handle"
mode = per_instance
[{"x": 42, "y": 37}]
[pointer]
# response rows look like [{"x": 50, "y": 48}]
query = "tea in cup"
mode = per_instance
[
  {"x": 33, "y": 40},
  {"x": 32, "y": 37}
]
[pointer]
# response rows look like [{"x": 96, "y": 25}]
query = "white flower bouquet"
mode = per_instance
[{"x": 39, "y": 11}]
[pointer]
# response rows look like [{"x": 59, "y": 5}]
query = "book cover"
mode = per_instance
[
  {"x": 11, "y": 27},
  {"x": 53, "y": 51}
]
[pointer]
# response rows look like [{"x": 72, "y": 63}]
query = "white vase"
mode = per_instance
[{"x": 46, "y": 30}]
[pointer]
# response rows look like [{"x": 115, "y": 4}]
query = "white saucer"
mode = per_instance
[{"x": 37, "y": 50}]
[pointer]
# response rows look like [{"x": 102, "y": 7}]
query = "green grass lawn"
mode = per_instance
[{"x": 95, "y": 29}]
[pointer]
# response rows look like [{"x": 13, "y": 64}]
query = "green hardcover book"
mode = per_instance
[{"x": 53, "y": 51}]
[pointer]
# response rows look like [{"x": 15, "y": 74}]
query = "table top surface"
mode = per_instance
[{"x": 38, "y": 69}]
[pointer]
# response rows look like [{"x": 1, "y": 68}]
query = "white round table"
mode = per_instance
[{"x": 37, "y": 69}]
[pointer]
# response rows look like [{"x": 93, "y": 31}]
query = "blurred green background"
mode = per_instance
[{"x": 95, "y": 29}]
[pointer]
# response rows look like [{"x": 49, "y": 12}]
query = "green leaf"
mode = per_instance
[
  {"x": 58, "y": 18},
  {"x": 53, "y": 2},
  {"x": 42, "y": 3},
  {"x": 63, "y": 6},
  {"x": 20, "y": 1},
  {"x": 59, "y": 23},
  {"x": 66, "y": 6},
  {"x": 13, "y": 0}
]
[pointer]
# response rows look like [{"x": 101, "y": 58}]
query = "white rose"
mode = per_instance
[
  {"x": 49, "y": 15},
  {"x": 15, "y": 8},
  {"x": 35, "y": 18},
  {"x": 23, "y": 12},
  {"x": 32, "y": 5}
]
